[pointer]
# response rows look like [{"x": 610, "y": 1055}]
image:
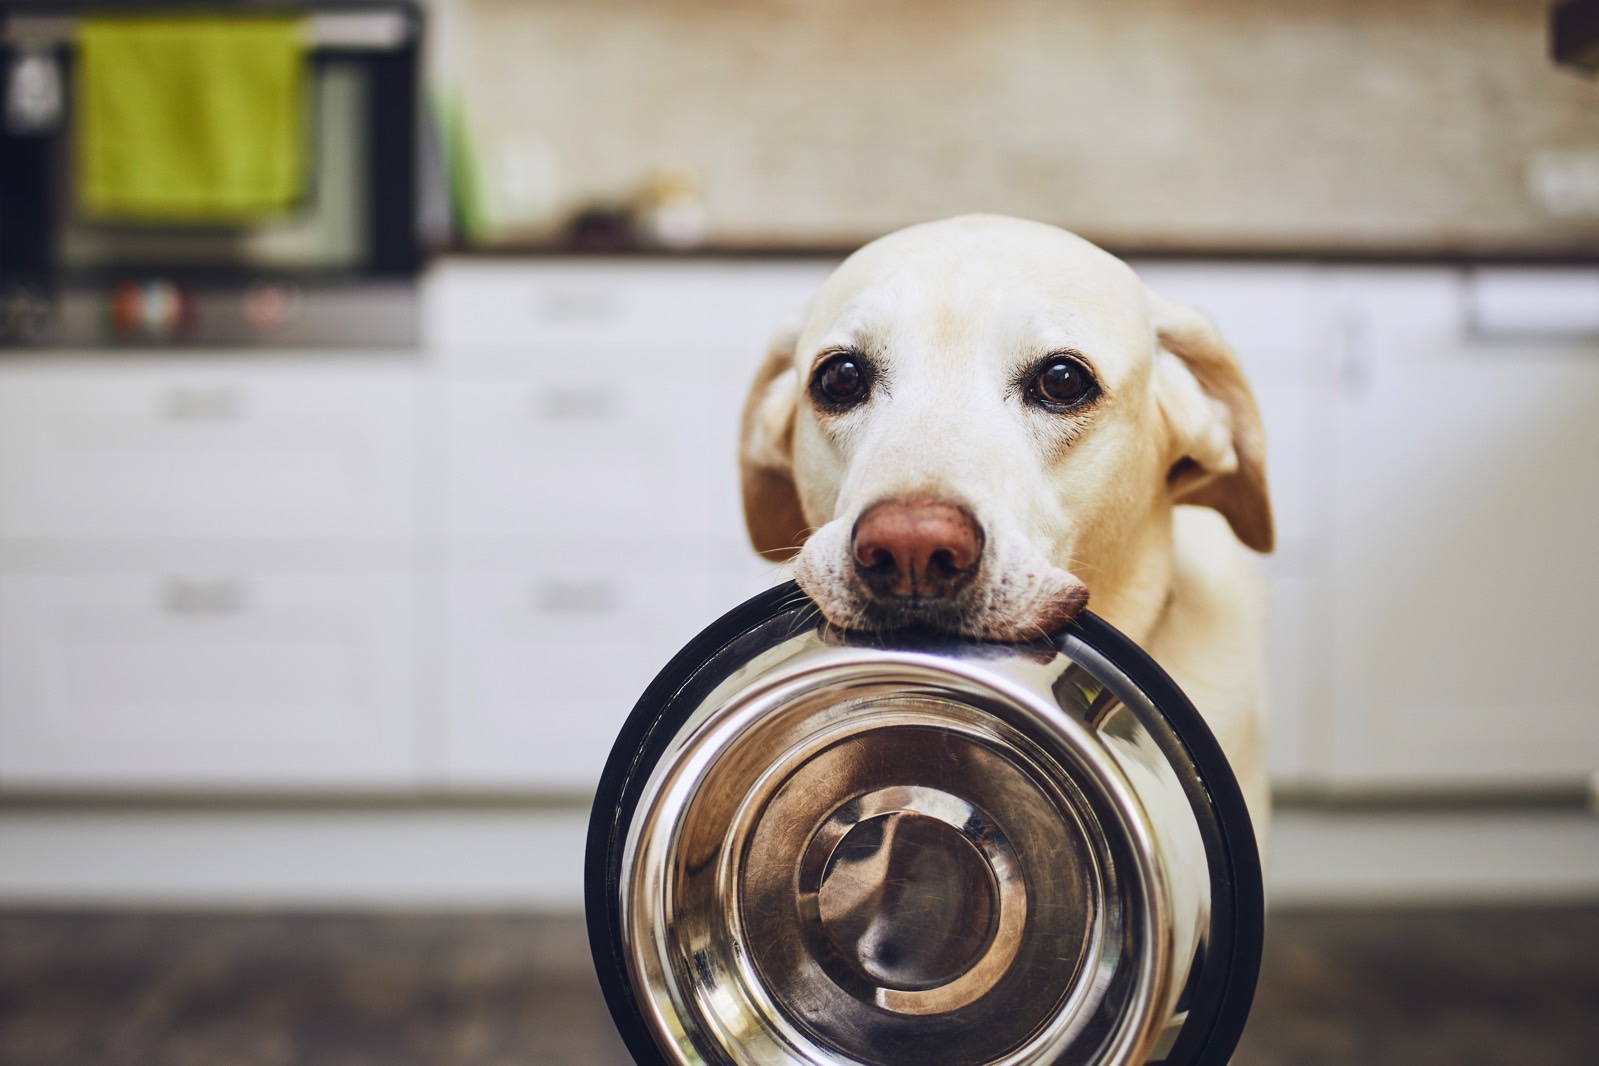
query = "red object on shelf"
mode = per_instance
[{"x": 151, "y": 310}]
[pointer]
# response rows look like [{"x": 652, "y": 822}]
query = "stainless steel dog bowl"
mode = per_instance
[{"x": 816, "y": 847}]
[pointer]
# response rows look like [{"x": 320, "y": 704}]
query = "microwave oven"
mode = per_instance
[{"x": 333, "y": 266}]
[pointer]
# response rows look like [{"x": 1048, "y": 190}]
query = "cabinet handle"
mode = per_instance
[
  {"x": 597, "y": 596},
  {"x": 193, "y": 404},
  {"x": 579, "y": 303},
  {"x": 1354, "y": 355},
  {"x": 560, "y": 403},
  {"x": 204, "y": 596}
]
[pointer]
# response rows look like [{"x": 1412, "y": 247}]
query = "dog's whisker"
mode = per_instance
[{"x": 1075, "y": 565}]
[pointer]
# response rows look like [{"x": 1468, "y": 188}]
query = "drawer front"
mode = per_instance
[
  {"x": 593, "y": 455},
  {"x": 694, "y": 316},
  {"x": 182, "y": 680},
  {"x": 1270, "y": 315},
  {"x": 202, "y": 453},
  {"x": 545, "y": 662},
  {"x": 492, "y": 305}
]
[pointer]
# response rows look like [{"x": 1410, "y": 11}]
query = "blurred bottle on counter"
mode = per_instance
[
  {"x": 670, "y": 210},
  {"x": 34, "y": 98}
]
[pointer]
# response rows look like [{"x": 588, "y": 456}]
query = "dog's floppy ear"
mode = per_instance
[
  {"x": 1218, "y": 455},
  {"x": 772, "y": 512}
]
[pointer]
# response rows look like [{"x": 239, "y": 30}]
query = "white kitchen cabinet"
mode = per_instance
[
  {"x": 564, "y": 304},
  {"x": 185, "y": 679},
  {"x": 227, "y": 572},
  {"x": 209, "y": 447},
  {"x": 1269, "y": 313},
  {"x": 208, "y": 573},
  {"x": 1465, "y": 598},
  {"x": 1298, "y": 420},
  {"x": 611, "y": 452},
  {"x": 546, "y": 660},
  {"x": 1272, "y": 316},
  {"x": 592, "y": 514},
  {"x": 669, "y": 316},
  {"x": 1299, "y": 698}
]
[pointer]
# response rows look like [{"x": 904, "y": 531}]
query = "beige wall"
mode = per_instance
[{"x": 1358, "y": 124}]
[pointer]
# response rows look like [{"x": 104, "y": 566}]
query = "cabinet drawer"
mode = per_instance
[
  {"x": 545, "y": 663},
  {"x": 539, "y": 308},
  {"x": 593, "y": 455},
  {"x": 205, "y": 453},
  {"x": 693, "y": 316},
  {"x": 1268, "y": 314},
  {"x": 183, "y": 680}
]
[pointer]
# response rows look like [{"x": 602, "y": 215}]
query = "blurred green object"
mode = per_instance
[
  {"x": 197, "y": 118},
  {"x": 464, "y": 175}
]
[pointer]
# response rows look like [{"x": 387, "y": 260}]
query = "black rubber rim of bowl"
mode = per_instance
[{"x": 1238, "y": 895}]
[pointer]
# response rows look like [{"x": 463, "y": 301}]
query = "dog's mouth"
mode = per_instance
[
  {"x": 1023, "y": 610},
  {"x": 931, "y": 613}
]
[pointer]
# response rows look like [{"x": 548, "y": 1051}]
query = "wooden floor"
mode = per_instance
[{"x": 1409, "y": 988}]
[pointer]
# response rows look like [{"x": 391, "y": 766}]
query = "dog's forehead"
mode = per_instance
[{"x": 986, "y": 281}]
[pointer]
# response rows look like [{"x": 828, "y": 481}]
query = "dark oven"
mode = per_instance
[{"x": 236, "y": 175}]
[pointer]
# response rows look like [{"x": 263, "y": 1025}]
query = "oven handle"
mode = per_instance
[{"x": 359, "y": 31}]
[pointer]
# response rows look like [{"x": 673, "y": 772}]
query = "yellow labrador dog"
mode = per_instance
[{"x": 984, "y": 424}]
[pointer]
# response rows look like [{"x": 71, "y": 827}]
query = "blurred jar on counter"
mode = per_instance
[{"x": 670, "y": 210}]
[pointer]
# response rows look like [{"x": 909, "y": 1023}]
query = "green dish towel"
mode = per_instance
[{"x": 191, "y": 118}]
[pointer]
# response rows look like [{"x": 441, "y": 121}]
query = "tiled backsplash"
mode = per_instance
[{"x": 1335, "y": 124}]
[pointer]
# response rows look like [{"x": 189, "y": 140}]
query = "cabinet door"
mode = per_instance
[
  {"x": 1466, "y": 603},
  {"x": 546, "y": 660},
  {"x": 182, "y": 680},
  {"x": 599, "y": 452},
  {"x": 205, "y": 449},
  {"x": 1298, "y": 422},
  {"x": 1271, "y": 317}
]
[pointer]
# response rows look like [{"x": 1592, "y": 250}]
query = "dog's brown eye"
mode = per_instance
[
  {"x": 841, "y": 382},
  {"x": 1062, "y": 383}
]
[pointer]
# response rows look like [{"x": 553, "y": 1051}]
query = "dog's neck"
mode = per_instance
[{"x": 1133, "y": 589}]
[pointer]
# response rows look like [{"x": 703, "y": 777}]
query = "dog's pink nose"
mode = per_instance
[{"x": 917, "y": 548}]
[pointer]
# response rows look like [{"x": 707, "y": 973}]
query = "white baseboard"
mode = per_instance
[
  {"x": 1445, "y": 856},
  {"x": 532, "y": 859},
  {"x": 443, "y": 857}
]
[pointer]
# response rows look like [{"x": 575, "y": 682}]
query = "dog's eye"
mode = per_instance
[
  {"x": 843, "y": 381},
  {"x": 1061, "y": 384}
]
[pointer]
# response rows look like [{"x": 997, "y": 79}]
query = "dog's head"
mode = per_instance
[{"x": 980, "y": 420}]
